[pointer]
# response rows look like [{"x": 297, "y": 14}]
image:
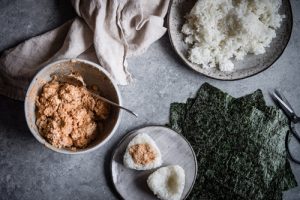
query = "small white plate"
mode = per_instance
[
  {"x": 251, "y": 65},
  {"x": 175, "y": 150}
]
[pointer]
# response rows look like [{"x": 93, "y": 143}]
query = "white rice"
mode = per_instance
[
  {"x": 167, "y": 182},
  {"x": 142, "y": 138},
  {"x": 219, "y": 30}
]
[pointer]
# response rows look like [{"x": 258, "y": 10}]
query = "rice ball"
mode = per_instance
[
  {"x": 167, "y": 182},
  {"x": 142, "y": 153}
]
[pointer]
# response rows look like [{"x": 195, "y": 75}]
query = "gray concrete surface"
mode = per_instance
[{"x": 30, "y": 171}]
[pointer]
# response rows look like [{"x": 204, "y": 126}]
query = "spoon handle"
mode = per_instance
[
  {"x": 114, "y": 104},
  {"x": 71, "y": 79}
]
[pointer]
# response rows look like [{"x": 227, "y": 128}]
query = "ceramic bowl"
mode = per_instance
[
  {"x": 92, "y": 74},
  {"x": 251, "y": 64}
]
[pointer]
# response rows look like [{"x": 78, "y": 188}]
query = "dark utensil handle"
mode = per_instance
[{"x": 289, "y": 154}]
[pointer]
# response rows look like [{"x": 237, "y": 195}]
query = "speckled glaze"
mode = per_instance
[
  {"x": 92, "y": 74},
  {"x": 175, "y": 150},
  {"x": 251, "y": 64}
]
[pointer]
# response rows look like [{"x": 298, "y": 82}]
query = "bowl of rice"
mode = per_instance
[{"x": 230, "y": 40}]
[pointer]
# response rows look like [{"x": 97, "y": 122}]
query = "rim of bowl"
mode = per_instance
[{"x": 81, "y": 151}]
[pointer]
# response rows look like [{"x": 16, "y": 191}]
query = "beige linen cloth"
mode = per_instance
[{"x": 105, "y": 32}]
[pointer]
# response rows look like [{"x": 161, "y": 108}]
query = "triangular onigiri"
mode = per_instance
[
  {"x": 167, "y": 182},
  {"x": 142, "y": 153}
]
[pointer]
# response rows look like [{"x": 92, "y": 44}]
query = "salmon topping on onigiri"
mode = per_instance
[{"x": 142, "y": 153}]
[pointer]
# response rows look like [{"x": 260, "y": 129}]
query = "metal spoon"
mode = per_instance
[
  {"x": 74, "y": 79},
  {"x": 114, "y": 104}
]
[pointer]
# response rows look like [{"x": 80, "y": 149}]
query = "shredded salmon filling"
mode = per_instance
[
  {"x": 142, "y": 153},
  {"x": 68, "y": 116}
]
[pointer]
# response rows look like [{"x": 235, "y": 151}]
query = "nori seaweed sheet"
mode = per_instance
[{"x": 238, "y": 142}]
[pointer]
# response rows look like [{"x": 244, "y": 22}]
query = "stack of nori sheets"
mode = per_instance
[{"x": 239, "y": 145}]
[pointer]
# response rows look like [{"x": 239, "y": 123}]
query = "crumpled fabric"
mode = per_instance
[{"x": 106, "y": 32}]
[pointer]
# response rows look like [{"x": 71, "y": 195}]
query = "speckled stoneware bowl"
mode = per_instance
[
  {"x": 251, "y": 65},
  {"x": 92, "y": 74}
]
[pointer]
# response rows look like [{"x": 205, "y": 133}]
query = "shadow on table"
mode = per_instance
[
  {"x": 12, "y": 117},
  {"x": 19, "y": 22},
  {"x": 168, "y": 49},
  {"x": 107, "y": 170}
]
